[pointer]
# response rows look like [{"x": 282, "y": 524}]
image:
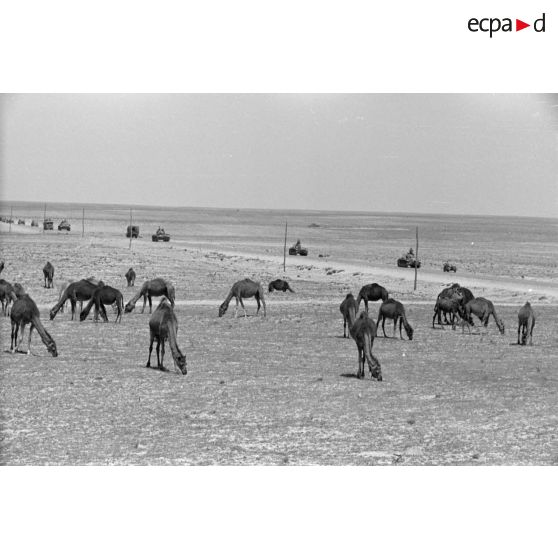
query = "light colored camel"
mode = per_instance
[
  {"x": 155, "y": 287},
  {"x": 394, "y": 310},
  {"x": 245, "y": 288}
]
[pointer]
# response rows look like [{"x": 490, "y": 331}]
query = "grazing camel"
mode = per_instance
[
  {"x": 371, "y": 292},
  {"x": 163, "y": 325},
  {"x": 526, "y": 323},
  {"x": 448, "y": 305},
  {"x": 155, "y": 287},
  {"x": 48, "y": 272},
  {"x": 348, "y": 309},
  {"x": 394, "y": 310},
  {"x": 25, "y": 311},
  {"x": 245, "y": 288},
  {"x": 7, "y": 296},
  {"x": 79, "y": 290},
  {"x": 130, "y": 277},
  {"x": 482, "y": 308},
  {"x": 1, "y": 266},
  {"x": 279, "y": 285},
  {"x": 100, "y": 297},
  {"x": 363, "y": 332}
]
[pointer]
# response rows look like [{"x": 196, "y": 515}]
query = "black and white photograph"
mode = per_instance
[
  {"x": 236, "y": 279},
  {"x": 278, "y": 279}
]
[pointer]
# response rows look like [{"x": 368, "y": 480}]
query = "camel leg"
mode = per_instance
[
  {"x": 236, "y": 308},
  {"x": 150, "y": 304},
  {"x": 29, "y": 343},
  {"x": 263, "y": 303},
  {"x": 366, "y": 304},
  {"x": 157, "y": 349},
  {"x": 144, "y": 303},
  {"x": 395, "y": 326},
  {"x": 400, "y": 326},
  {"x": 22, "y": 332},
  {"x": 344, "y": 326},
  {"x": 518, "y": 334},
  {"x": 15, "y": 328},
  {"x": 243, "y": 307},
  {"x": 151, "y": 338},
  {"x": 383, "y": 325},
  {"x": 162, "y": 367},
  {"x": 259, "y": 305}
]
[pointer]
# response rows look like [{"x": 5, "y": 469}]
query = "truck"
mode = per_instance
[{"x": 132, "y": 231}]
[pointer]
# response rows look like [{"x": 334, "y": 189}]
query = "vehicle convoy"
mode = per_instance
[
  {"x": 64, "y": 225},
  {"x": 160, "y": 236},
  {"x": 408, "y": 260},
  {"x": 297, "y": 250},
  {"x": 132, "y": 231}
]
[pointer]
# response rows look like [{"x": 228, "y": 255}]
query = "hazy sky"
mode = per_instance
[{"x": 470, "y": 154}]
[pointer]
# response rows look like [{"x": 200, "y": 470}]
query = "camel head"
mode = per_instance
[
  {"x": 52, "y": 349},
  {"x": 501, "y": 326},
  {"x": 409, "y": 331},
  {"x": 18, "y": 290},
  {"x": 222, "y": 309},
  {"x": 181, "y": 363},
  {"x": 129, "y": 307}
]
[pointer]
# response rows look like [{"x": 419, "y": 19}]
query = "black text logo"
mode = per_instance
[{"x": 493, "y": 25}]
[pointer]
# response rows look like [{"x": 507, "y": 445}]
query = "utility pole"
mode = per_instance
[
  {"x": 83, "y": 222},
  {"x": 44, "y": 219},
  {"x": 130, "y": 228},
  {"x": 285, "y": 248},
  {"x": 416, "y": 261},
  {"x": 11, "y": 218}
]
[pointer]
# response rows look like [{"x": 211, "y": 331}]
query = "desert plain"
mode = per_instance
[{"x": 282, "y": 389}]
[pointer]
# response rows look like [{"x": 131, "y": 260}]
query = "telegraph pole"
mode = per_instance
[
  {"x": 130, "y": 228},
  {"x": 416, "y": 261},
  {"x": 11, "y": 219},
  {"x": 285, "y": 248},
  {"x": 83, "y": 222},
  {"x": 44, "y": 219}
]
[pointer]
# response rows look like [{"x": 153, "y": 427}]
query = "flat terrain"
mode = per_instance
[{"x": 282, "y": 390}]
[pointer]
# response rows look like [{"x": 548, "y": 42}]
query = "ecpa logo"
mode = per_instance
[{"x": 492, "y": 25}]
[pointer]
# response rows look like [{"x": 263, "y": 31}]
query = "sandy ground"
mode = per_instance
[{"x": 279, "y": 390}]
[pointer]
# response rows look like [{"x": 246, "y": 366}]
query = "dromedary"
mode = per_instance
[
  {"x": 48, "y": 272},
  {"x": 482, "y": 308},
  {"x": 163, "y": 325},
  {"x": 394, "y": 310},
  {"x": 245, "y": 288},
  {"x": 370, "y": 293},
  {"x": 526, "y": 323},
  {"x": 100, "y": 298},
  {"x": 452, "y": 306},
  {"x": 279, "y": 285},
  {"x": 7, "y": 296},
  {"x": 79, "y": 290},
  {"x": 25, "y": 311},
  {"x": 348, "y": 309},
  {"x": 155, "y": 287},
  {"x": 130, "y": 277},
  {"x": 363, "y": 332}
]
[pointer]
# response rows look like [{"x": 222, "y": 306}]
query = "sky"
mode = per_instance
[{"x": 428, "y": 153}]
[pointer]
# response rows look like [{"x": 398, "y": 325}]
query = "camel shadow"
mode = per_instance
[{"x": 348, "y": 375}]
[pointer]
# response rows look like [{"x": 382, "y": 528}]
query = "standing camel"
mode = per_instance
[
  {"x": 48, "y": 272},
  {"x": 371, "y": 293},
  {"x": 363, "y": 332},
  {"x": 25, "y": 311},
  {"x": 526, "y": 323},
  {"x": 348, "y": 309},
  {"x": 245, "y": 288},
  {"x": 155, "y": 287},
  {"x": 79, "y": 290},
  {"x": 279, "y": 285},
  {"x": 130, "y": 277},
  {"x": 163, "y": 325},
  {"x": 482, "y": 308},
  {"x": 100, "y": 297},
  {"x": 394, "y": 310},
  {"x": 7, "y": 296}
]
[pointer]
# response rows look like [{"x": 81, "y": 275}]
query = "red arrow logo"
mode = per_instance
[{"x": 519, "y": 25}]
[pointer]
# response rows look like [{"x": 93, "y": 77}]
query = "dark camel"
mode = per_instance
[
  {"x": 25, "y": 311},
  {"x": 100, "y": 298},
  {"x": 1, "y": 266},
  {"x": 79, "y": 290},
  {"x": 452, "y": 306},
  {"x": 7, "y": 296},
  {"x": 48, "y": 272},
  {"x": 245, "y": 288},
  {"x": 130, "y": 277},
  {"x": 483, "y": 309},
  {"x": 348, "y": 309},
  {"x": 163, "y": 325},
  {"x": 526, "y": 323},
  {"x": 370, "y": 293},
  {"x": 279, "y": 285},
  {"x": 155, "y": 287},
  {"x": 394, "y": 310},
  {"x": 363, "y": 332}
]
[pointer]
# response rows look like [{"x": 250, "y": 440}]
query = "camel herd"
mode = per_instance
[{"x": 455, "y": 304}]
